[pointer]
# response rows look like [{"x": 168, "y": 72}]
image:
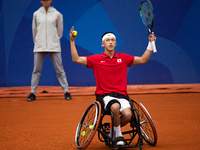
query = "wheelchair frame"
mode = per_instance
[{"x": 91, "y": 121}]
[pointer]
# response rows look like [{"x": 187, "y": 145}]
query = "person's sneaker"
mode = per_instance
[
  {"x": 120, "y": 140},
  {"x": 68, "y": 96},
  {"x": 31, "y": 97}
]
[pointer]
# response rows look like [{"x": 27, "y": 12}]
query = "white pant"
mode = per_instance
[{"x": 57, "y": 62}]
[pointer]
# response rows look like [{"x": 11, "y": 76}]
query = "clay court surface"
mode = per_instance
[{"x": 50, "y": 122}]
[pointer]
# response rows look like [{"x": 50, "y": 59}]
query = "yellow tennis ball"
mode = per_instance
[
  {"x": 74, "y": 33},
  {"x": 83, "y": 133},
  {"x": 90, "y": 127}
]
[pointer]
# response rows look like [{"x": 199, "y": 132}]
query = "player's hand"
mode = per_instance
[
  {"x": 152, "y": 37},
  {"x": 72, "y": 38}
]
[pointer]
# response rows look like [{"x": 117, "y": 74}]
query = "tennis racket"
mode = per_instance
[{"x": 147, "y": 16}]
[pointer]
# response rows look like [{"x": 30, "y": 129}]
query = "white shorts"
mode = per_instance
[{"x": 123, "y": 102}]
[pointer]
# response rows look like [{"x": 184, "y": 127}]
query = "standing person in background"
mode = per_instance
[{"x": 47, "y": 28}]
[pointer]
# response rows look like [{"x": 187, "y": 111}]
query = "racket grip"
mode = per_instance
[{"x": 154, "y": 46}]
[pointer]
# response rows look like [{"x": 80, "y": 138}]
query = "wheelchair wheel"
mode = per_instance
[
  {"x": 88, "y": 125},
  {"x": 147, "y": 126}
]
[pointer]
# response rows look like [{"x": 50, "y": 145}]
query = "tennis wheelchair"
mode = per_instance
[{"x": 95, "y": 118}]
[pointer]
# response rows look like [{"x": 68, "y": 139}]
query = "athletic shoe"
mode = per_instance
[
  {"x": 31, "y": 97},
  {"x": 120, "y": 140},
  {"x": 68, "y": 96}
]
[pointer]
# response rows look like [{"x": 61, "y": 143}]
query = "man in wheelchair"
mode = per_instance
[{"x": 110, "y": 71}]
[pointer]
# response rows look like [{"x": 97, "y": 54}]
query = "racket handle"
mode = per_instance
[{"x": 154, "y": 46}]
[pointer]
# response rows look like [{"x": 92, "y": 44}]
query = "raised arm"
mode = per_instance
[
  {"x": 147, "y": 54},
  {"x": 75, "y": 57}
]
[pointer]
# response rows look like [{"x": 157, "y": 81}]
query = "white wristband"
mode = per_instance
[{"x": 150, "y": 46}]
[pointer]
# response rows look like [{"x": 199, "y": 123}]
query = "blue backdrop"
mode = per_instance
[{"x": 176, "y": 27}]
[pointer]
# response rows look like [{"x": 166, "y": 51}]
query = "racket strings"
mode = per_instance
[{"x": 146, "y": 13}]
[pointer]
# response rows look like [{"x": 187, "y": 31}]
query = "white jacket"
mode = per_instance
[{"x": 47, "y": 28}]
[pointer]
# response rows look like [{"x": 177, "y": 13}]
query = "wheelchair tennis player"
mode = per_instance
[{"x": 110, "y": 71}]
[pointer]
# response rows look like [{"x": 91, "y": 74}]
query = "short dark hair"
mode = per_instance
[{"x": 106, "y": 33}]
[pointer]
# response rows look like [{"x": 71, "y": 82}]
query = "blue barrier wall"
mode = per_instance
[{"x": 176, "y": 27}]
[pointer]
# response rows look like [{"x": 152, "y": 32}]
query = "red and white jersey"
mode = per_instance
[{"x": 110, "y": 74}]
